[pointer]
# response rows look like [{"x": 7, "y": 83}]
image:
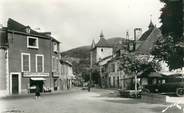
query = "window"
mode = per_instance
[
  {"x": 54, "y": 64},
  {"x": 55, "y": 47},
  {"x": 32, "y": 42},
  {"x": 28, "y": 30},
  {"x": 113, "y": 67},
  {"x": 39, "y": 63},
  {"x": 101, "y": 50},
  {"x": 25, "y": 62},
  {"x": 57, "y": 65}
]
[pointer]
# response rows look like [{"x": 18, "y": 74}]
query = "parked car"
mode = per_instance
[{"x": 166, "y": 84}]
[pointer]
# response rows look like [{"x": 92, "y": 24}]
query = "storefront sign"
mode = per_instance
[{"x": 31, "y": 74}]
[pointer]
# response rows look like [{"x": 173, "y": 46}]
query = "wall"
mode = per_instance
[
  {"x": 18, "y": 45},
  {"x": 102, "y": 54},
  {"x": 3, "y": 69}
]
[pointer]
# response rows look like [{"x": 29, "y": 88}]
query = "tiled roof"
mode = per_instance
[
  {"x": 16, "y": 26},
  {"x": 145, "y": 35},
  {"x": 147, "y": 45},
  {"x": 102, "y": 43},
  {"x": 65, "y": 62}
]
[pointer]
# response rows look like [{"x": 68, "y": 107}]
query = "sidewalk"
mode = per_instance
[{"x": 27, "y": 95}]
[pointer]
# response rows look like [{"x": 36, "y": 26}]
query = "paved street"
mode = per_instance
[{"x": 79, "y": 101}]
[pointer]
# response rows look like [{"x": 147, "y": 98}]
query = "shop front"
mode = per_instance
[
  {"x": 36, "y": 80},
  {"x": 36, "y": 83}
]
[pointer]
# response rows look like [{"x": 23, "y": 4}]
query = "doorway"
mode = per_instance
[{"x": 15, "y": 83}]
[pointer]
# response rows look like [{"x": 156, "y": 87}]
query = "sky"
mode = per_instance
[{"x": 77, "y": 22}]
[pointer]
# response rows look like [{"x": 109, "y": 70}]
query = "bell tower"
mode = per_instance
[{"x": 101, "y": 50}]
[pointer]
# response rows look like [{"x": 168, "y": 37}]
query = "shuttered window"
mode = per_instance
[
  {"x": 39, "y": 63},
  {"x": 25, "y": 62}
]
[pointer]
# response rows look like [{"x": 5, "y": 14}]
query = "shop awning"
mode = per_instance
[{"x": 37, "y": 79}]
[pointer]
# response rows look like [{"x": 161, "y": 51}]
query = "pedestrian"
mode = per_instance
[{"x": 37, "y": 92}]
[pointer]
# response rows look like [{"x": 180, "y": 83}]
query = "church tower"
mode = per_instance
[{"x": 100, "y": 50}]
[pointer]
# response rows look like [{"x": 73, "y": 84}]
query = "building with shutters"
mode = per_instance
[
  {"x": 67, "y": 77},
  {"x": 27, "y": 59}
]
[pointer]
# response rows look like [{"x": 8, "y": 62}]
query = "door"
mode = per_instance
[{"x": 15, "y": 83}]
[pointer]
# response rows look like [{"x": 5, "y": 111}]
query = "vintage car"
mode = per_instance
[{"x": 173, "y": 84}]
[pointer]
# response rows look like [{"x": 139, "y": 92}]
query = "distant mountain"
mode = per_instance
[
  {"x": 83, "y": 51},
  {"x": 80, "y": 56},
  {"x": 79, "y": 52}
]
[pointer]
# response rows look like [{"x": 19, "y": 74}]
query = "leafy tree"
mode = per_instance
[
  {"x": 131, "y": 64},
  {"x": 167, "y": 48}
]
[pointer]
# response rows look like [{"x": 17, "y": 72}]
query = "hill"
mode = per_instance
[{"x": 80, "y": 56}]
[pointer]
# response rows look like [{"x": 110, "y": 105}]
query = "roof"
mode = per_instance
[
  {"x": 16, "y": 26},
  {"x": 147, "y": 45},
  {"x": 102, "y": 43},
  {"x": 105, "y": 60},
  {"x": 148, "y": 32},
  {"x": 93, "y": 44},
  {"x": 66, "y": 62},
  {"x": 145, "y": 35}
]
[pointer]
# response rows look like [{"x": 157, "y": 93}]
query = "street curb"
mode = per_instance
[{"x": 20, "y": 96}]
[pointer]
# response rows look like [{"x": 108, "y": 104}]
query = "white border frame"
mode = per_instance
[
  {"x": 22, "y": 62},
  {"x": 19, "y": 81},
  {"x": 42, "y": 62},
  {"x": 55, "y": 47},
  {"x": 53, "y": 59},
  {"x": 57, "y": 64},
  {"x": 37, "y": 44}
]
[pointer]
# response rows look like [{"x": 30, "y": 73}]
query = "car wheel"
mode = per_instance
[{"x": 180, "y": 92}]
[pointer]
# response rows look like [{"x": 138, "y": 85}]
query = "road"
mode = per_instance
[{"x": 79, "y": 101}]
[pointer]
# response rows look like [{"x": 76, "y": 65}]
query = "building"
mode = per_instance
[
  {"x": 66, "y": 75},
  {"x": 99, "y": 54},
  {"x": 115, "y": 77},
  {"x": 101, "y": 50},
  {"x": 29, "y": 58}
]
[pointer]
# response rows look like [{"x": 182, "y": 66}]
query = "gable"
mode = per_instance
[{"x": 147, "y": 45}]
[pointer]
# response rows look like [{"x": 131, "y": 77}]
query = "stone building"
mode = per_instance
[
  {"x": 28, "y": 59},
  {"x": 67, "y": 77}
]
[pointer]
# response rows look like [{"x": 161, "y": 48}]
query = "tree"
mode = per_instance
[
  {"x": 133, "y": 65},
  {"x": 130, "y": 64},
  {"x": 167, "y": 48}
]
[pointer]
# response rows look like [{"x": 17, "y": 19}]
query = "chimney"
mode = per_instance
[{"x": 137, "y": 35}]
